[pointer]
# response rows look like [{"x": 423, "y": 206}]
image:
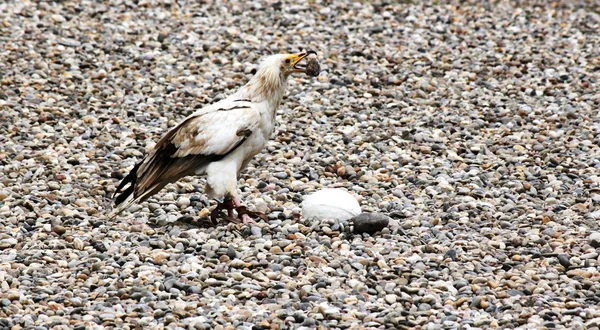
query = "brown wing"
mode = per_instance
[{"x": 193, "y": 144}]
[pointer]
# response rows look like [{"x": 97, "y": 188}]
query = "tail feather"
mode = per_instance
[
  {"x": 131, "y": 178},
  {"x": 125, "y": 204},
  {"x": 124, "y": 198}
]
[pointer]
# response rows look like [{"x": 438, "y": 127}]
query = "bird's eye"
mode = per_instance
[{"x": 287, "y": 61}]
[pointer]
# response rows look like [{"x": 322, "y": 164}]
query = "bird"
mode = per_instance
[{"x": 217, "y": 141}]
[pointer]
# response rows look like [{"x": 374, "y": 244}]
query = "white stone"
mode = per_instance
[{"x": 337, "y": 204}]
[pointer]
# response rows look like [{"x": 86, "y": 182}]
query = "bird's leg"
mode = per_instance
[
  {"x": 244, "y": 214},
  {"x": 229, "y": 205}
]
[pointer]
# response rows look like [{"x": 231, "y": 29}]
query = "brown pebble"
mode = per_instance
[
  {"x": 483, "y": 304},
  {"x": 60, "y": 230},
  {"x": 460, "y": 301},
  {"x": 160, "y": 257},
  {"x": 517, "y": 257},
  {"x": 289, "y": 247}
]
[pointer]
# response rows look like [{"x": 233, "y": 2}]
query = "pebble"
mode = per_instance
[
  {"x": 60, "y": 230},
  {"x": 594, "y": 239},
  {"x": 390, "y": 299},
  {"x": 563, "y": 259},
  {"x": 369, "y": 222},
  {"x": 183, "y": 202},
  {"x": 7, "y": 243}
]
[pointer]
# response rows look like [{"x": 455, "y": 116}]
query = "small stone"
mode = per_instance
[
  {"x": 204, "y": 213},
  {"x": 13, "y": 295},
  {"x": 369, "y": 222},
  {"x": 514, "y": 292},
  {"x": 330, "y": 311},
  {"x": 451, "y": 254},
  {"x": 312, "y": 66},
  {"x": 69, "y": 42},
  {"x": 281, "y": 175},
  {"x": 160, "y": 257},
  {"x": 563, "y": 259},
  {"x": 460, "y": 301},
  {"x": 76, "y": 302},
  {"x": 594, "y": 239},
  {"x": 231, "y": 253},
  {"x": 7, "y": 243},
  {"x": 391, "y": 298},
  {"x": 60, "y": 230},
  {"x": 256, "y": 231},
  {"x": 183, "y": 202},
  {"x": 78, "y": 244}
]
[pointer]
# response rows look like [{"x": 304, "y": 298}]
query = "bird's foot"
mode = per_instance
[
  {"x": 246, "y": 216},
  {"x": 243, "y": 214},
  {"x": 217, "y": 212}
]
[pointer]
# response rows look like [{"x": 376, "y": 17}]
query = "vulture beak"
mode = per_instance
[{"x": 296, "y": 60}]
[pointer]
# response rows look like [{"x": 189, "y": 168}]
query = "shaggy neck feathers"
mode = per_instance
[{"x": 269, "y": 82}]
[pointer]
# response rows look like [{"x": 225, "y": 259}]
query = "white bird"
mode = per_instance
[{"x": 218, "y": 141}]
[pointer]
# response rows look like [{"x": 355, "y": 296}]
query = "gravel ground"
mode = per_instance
[{"x": 474, "y": 127}]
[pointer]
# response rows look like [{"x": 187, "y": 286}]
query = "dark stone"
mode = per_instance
[
  {"x": 116, "y": 175},
  {"x": 451, "y": 254},
  {"x": 369, "y": 222},
  {"x": 312, "y": 67},
  {"x": 563, "y": 259},
  {"x": 514, "y": 292},
  {"x": 231, "y": 253}
]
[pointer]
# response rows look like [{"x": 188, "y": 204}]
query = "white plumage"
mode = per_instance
[{"x": 218, "y": 141}]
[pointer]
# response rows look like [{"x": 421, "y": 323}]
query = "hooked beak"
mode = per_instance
[{"x": 297, "y": 59}]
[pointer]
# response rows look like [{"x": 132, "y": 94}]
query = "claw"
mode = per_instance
[
  {"x": 214, "y": 214},
  {"x": 243, "y": 214}
]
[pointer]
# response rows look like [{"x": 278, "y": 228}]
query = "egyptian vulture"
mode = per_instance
[{"x": 218, "y": 141}]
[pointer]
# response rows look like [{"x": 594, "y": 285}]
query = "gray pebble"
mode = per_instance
[{"x": 369, "y": 222}]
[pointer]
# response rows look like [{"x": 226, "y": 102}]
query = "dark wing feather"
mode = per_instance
[{"x": 186, "y": 148}]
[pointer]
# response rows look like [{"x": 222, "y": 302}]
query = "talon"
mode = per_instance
[
  {"x": 243, "y": 214},
  {"x": 246, "y": 219},
  {"x": 214, "y": 214}
]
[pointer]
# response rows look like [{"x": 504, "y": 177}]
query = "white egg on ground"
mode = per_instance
[{"x": 330, "y": 203}]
